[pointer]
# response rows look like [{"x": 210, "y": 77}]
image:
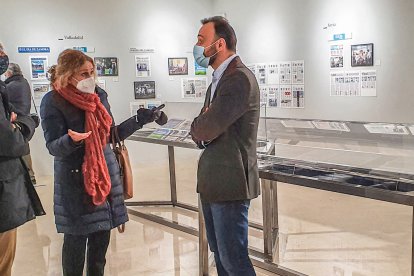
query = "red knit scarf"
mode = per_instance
[{"x": 97, "y": 119}]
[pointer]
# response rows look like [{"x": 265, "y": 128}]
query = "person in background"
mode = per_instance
[
  {"x": 88, "y": 193},
  {"x": 15, "y": 205},
  {"x": 227, "y": 176},
  {"x": 19, "y": 92}
]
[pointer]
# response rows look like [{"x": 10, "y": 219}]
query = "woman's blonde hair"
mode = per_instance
[{"x": 69, "y": 61}]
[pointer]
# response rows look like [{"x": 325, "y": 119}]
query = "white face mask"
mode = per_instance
[{"x": 86, "y": 85}]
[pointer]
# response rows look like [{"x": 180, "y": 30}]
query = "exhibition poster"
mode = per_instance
[
  {"x": 273, "y": 73},
  {"x": 106, "y": 66},
  {"x": 199, "y": 70},
  {"x": 263, "y": 95},
  {"x": 177, "y": 66},
  {"x": 38, "y": 68},
  {"x": 337, "y": 56},
  {"x": 286, "y": 96},
  {"x": 261, "y": 73},
  {"x": 193, "y": 88},
  {"x": 352, "y": 83},
  {"x": 252, "y": 67},
  {"x": 298, "y": 72},
  {"x": 285, "y": 73},
  {"x": 142, "y": 66},
  {"x": 39, "y": 90},
  {"x": 273, "y": 96},
  {"x": 298, "y": 96},
  {"x": 337, "y": 80},
  {"x": 144, "y": 89},
  {"x": 369, "y": 83}
]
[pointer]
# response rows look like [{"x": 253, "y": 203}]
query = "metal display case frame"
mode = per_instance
[{"x": 390, "y": 186}]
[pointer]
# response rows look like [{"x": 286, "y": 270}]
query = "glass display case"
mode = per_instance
[{"x": 370, "y": 160}]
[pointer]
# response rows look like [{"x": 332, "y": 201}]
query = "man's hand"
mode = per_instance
[{"x": 78, "y": 137}]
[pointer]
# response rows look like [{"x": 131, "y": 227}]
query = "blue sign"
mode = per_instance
[
  {"x": 34, "y": 49},
  {"x": 81, "y": 48},
  {"x": 339, "y": 37}
]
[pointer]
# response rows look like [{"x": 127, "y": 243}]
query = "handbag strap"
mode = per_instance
[{"x": 116, "y": 142}]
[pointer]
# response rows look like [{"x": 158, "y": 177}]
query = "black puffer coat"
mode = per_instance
[
  {"x": 74, "y": 211},
  {"x": 19, "y": 92},
  {"x": 15, "y": 205}
]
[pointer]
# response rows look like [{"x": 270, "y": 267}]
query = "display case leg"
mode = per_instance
[
  {"x": 275, "y": 222},
  {"x": 412, "y": 246},
  {"x": 203, "y": 264},
  {"x": 173, "y": 181},
  {"x": 267, "y": 219}
]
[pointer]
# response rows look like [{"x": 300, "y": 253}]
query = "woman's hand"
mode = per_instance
[
  {"x": 78, "y": 137},
  {"x": 13, "y": 117}
]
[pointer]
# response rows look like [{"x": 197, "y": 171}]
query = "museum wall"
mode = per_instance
[
  {"x": 267, "y": 30},
  {"x": 279, "y": 30},
  {"x": 111, "y": 27}
]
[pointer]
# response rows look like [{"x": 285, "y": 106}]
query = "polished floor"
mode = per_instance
[
  {"x": 322, "y": 233},
  {"x": 145, "y": 248}
]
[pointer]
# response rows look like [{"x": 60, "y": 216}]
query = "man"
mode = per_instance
[
  {"x": 19, "y": 93},
  {"x": 227, "y": 174},
  {"x": 15, "y": 205}
]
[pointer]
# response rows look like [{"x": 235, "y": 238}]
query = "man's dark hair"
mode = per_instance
[{"x": 223, "y": 30}]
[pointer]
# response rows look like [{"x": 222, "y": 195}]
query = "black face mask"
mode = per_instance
[{"x": 4, "y": 64}]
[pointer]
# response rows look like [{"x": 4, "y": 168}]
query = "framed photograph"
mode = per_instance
[
  {"x": 178, "y": 66},
  {"x": 106, "y": 66},
  {"x": 39, "y": 90},
  {"x": 144, "y": 89},
  {"x": 362, "y": 55},
  {"x": 199, "y": 70}
]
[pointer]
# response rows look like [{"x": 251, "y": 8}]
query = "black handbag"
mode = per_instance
[{"x": 31, "y": 191}]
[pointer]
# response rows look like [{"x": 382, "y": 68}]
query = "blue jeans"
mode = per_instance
[{"x": 227, "y": 231}]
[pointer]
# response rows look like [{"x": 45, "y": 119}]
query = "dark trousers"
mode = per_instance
[
  {"x": 227, "y": 232},
  {"x": 73, "y": 253}
]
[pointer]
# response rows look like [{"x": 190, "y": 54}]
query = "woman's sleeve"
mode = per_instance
[{"x": 55, "y": 131}]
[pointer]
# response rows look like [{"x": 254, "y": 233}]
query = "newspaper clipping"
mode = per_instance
[
  {"x": 193, "y": 88},
  {"x": 142, "y": 66}
]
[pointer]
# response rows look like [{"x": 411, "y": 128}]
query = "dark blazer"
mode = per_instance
[
  {"x": 227, "y": 169},
  {"x": 15, "y": 205},
  {"x": 74, "y": 211},
  {"x": 19, "y": 93}
]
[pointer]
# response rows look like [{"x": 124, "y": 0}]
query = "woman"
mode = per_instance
[
  {"x": 88, "y": 195},
  {"x": 15, "y": 205}
]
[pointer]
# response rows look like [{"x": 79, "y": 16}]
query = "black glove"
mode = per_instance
[
  {"x": 145, "y": 116},
  {"x": 35, "y": 118}
]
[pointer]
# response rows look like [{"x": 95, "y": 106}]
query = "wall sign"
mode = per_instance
[
  {"x": 83, "y": 49},
  {"x": 343, "y": 36},
  {"x": 141, "y": 50},
  {"x": 33, "y": 49}
]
